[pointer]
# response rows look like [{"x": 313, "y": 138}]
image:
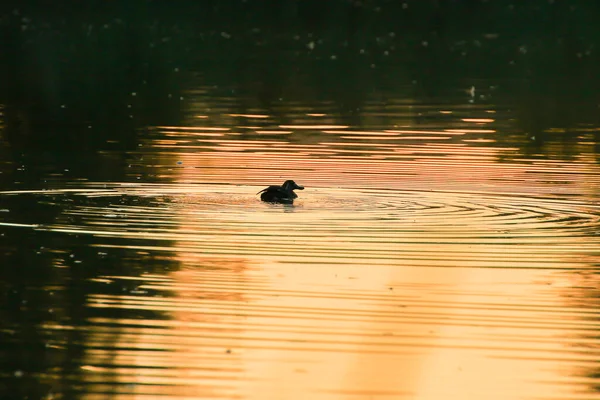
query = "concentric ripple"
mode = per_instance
[{"x": 424, "y": 228}]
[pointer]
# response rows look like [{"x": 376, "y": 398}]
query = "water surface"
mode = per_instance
[
  {"x": 422, "y": 260},
  {"x": 446, "y": 244}
]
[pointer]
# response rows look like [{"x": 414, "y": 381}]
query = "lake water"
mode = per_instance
[
  {"x": 446, "y": 245},
  {"x": 427, "y": 258}
]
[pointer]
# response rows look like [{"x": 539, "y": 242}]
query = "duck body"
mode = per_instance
[{"x": 283, "y": 194}]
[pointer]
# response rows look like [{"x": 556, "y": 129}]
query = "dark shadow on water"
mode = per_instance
[{"x": 46, "y": 282}]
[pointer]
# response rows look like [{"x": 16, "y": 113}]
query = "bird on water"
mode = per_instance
[{"x": 283, "y": 194}]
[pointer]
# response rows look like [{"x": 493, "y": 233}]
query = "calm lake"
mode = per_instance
[{"x": 446, "y": 245}]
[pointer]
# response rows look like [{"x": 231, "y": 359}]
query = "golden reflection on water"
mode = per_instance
[
  {"x": 421, "y": 262},
  {"x": 438, "y": 286}
]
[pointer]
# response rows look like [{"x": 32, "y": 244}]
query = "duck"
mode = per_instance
[{"x": 283, "y": 194}]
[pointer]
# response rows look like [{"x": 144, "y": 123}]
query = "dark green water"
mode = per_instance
[{"x": 446, "y": 244}]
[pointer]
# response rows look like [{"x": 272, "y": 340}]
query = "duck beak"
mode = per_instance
[{"x": 299, "y": 187}]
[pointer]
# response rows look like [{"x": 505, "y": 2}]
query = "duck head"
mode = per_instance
[{"x": 290, "y": 186}]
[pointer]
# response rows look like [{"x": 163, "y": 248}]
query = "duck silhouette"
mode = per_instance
[{"x": 283, "y": 194}]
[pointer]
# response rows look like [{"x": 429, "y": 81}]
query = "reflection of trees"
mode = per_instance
[
  {"x": 71, "y": 90},
  {"x": 555, "y": 114},
  {"x": 46, "y": 281},
  {"x": 118, "y": 68}
]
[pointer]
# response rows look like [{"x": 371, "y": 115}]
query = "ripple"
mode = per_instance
[{"x": 409, "y": 227}]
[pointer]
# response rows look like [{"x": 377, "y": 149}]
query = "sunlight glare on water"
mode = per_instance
[{"x": 423, "y": 261}]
